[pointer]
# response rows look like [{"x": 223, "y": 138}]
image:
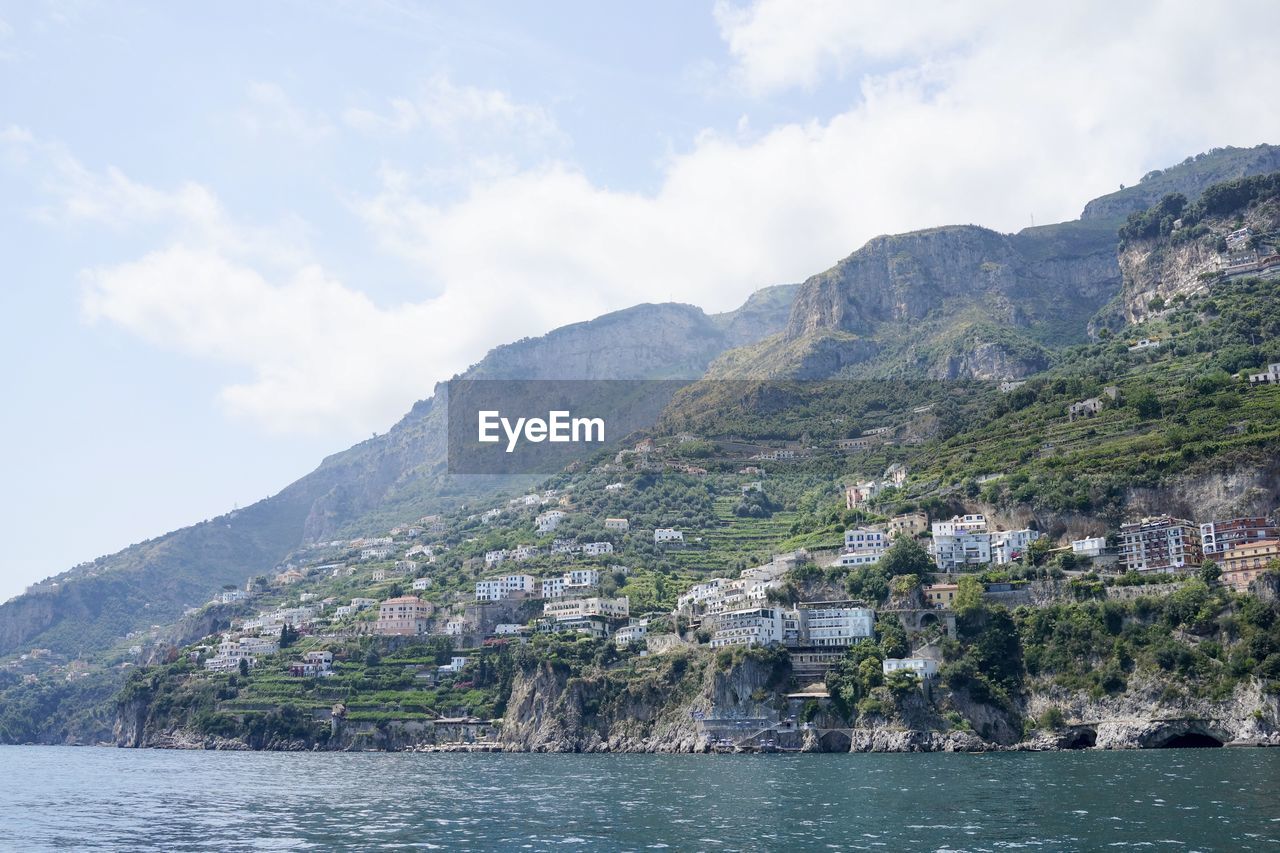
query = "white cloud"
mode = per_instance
[
  {"x": 271, "y": 112},
  {"x": 1002, "y": 113},
  {"x": 457, "y": 114},
  {"x": 780, "y": 43}
]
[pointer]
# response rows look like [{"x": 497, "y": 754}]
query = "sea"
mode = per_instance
[{"x": 87, "y": 798}]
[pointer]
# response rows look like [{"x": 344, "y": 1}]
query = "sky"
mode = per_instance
[{"x": 237, "y": 237}]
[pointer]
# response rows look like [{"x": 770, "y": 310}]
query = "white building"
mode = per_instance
[
  {"x": 496, "y": 589},
  {"x": 834, "y": 624},
  {"x": 596, "y": 549},
  {"x": 549, "y": 520},
  {"x": 379, "y": 552},
  {"x": 857, "y": 558},
  {"x": 667, "y": 535},
  {"x": 956, "y": 551},
  {"x": 492, "y": 558},
  {"x": 617, "y": 525},
  {"x": 1271, "y": 376},
  {"x": 1093, "y": 546},
  {"x": 755, "y": 626},
  {"x": 628, "y": 634},
  {"x": 865, "y": 539},
  {"x": 580, "y": 608},
  {"x": 505, "y": 629},
  {"x": 921, "y": 668},
  {"x": 524, "y": 552},
  {"x": 552, "y": 587},
  {"x": 1008, "y": 546},
  {"x": 581, "y": 578},
  {"x": 421, "y": 583}
]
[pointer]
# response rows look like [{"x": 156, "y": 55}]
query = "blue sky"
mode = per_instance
[{"x": 237, "y": 237}]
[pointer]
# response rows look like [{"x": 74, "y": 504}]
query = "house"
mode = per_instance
[
  {"x": 922, "y": 668},
  {"x": 1008, "y": 546},
  {"x": 506, "y": 629},
  {"x": 564, "y": 546},
  {"x": 960, "y": 542},
  {"x": 405, "y": 567},
  {"x": 1011, "y": 385},
  {"x": 549, "y": 520},
  {"x": 1093, "y": 546},
  {"x": 363, "y": 603},
  {"x": 862, "y": 442},
  {"x": 1243, "y": 564},
  {"x": 1217, "y": 537},
  {"x": 456, "y": 664},
  {"x": 865, "y": 539},
  {"x": 667, "y": 536},
  {"x": 551, "y": 587},
  {"x": 508, "y": 586},
  {"x": 1145, "y": 343},
  {"x": 617, "y": 525},
  {"x": 908, "y": 524},
  {"x": 577, "y": 608},
  {"x": 633, "y": 633},
  {"x": 849, "y": 559},
  {"x": 858, "y": 494},
  {"x": 406, "y": 615},
  {"x": 614, "y": 487},
  {"x": 490, "y": 514},
  {"x": 379, "y": 575},
  {"x": 492, "y": 558},
  {"x": 896, "y": 474},
  {"x": 377, "y": 552},
  {"x": 753, "y": 626},
  {"x": 1270, "y": 376},
  {"x": 420, "y": 584},
  {"x": 941, "y": 595},
  {"x": 830, "y": 623},
  {"x": 596, "y": 549},
  {"x": 524, "y": 552},
  {"x": 581, "y": 579},
  {"x": 1160, "y": 544},
  {"x": 1084, "y": 409},
  {"x": 289, "y": 577}
]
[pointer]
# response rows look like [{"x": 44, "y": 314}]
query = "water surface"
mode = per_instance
[{"x": 63, "y": 798}]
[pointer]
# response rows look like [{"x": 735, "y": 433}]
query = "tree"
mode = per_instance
[
  {"x": 968, "y": 594},
  {"x": 1210, "y": 572},
  {"x": 906, "y": 557},
  {"x": 288, "y": 635},
  {"x": 1147, "y": 405},
  {"x": 244, "y": 666}
]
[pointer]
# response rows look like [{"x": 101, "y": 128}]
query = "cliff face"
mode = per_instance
[
  {"x": 1181, "y": 264},
  {"x": 549, "y": 713}
]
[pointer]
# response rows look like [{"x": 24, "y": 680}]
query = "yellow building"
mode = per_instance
[{"x": 1242, "y": 564}]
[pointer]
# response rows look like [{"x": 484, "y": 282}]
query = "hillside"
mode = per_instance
[
  {"x": 397, "y": 475},
  {"x": 946, "y": 303},
  {"x": 964, "y": 301}
]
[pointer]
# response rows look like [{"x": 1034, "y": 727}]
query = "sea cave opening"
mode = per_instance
[{"x": 1191, "y": 740}]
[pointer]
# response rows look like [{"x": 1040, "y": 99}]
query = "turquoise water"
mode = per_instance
[{"x": 64, "y": 798}]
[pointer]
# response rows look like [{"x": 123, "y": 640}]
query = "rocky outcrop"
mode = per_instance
[{"x": 549, "y": 712}]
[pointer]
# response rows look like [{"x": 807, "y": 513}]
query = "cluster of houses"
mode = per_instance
[
  {"x": 740, "y": 612},
  {"x": 859, "y": 494},
  {"x": 1242, "y": 547}
]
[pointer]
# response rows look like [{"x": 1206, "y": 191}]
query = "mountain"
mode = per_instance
[
  {"x": 394, "y": 476},
  {"x": 950, "y": 302},
  {"x": 967, "y": 302}
]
